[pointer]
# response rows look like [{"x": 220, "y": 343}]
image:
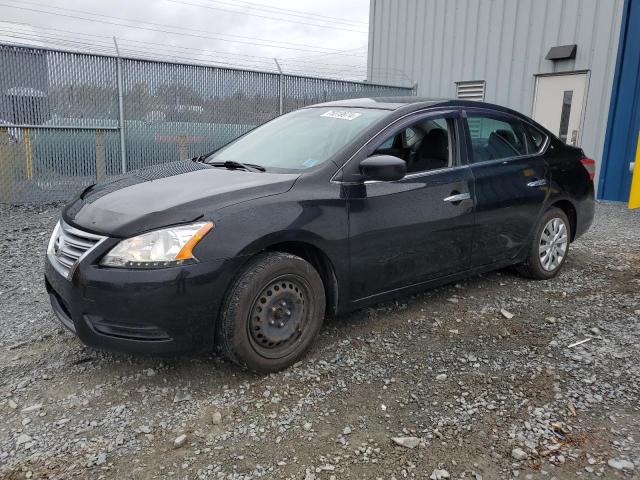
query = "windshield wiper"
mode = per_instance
[
  {"x": 231, "y": 165},
  {"x": 202, "y": 158}
]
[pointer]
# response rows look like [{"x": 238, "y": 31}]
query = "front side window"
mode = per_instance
[
  {"x": 493, "y": 139},
  {"x": 425, "y": 145},
  {"x": 299, "y": 140}
]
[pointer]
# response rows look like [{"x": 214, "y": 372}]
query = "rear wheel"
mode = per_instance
[
  {"x": 550, "y": 246},
  {"x": 272, "y": 312}
]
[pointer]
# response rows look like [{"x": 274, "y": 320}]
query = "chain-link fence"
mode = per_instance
[{"x": 70, "y": 119}]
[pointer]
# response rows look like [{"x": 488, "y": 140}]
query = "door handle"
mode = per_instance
[
  {"x": 537, "y": 183},
  {"x": 457, "y": 197}
]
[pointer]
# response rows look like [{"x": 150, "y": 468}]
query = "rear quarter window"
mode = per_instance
[{"x": 536, "y": 138}]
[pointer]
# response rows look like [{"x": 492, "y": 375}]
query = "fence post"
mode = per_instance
[
  {"x": 280, "y": 88},
  {"x": 123, "y": 148},
  {"x": 101, "y": 170}
]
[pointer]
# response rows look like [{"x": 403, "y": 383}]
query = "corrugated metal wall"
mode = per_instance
[
  {"x": 439, "y": 42},
  {"x": 623, "y": 135}
]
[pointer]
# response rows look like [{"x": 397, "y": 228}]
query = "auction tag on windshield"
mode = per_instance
[{"x": 341, "y": 114}]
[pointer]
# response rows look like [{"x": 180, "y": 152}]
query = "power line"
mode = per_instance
[
  {"x": 296, "y": 13},
  {"x": 142, "y": 54},
  {"x": 240, "y": 12},
  {"x": 302, "y": 74},
  {"x": 285, "y": 45},
  {"x": 206, "y": 56},
  {"x": 266, "y": 60},
  {"x": 330, "y": 53},
  {"x": 65, "y": 43},
  {"x": 108, "y": 44},
  {"x": 109, "y": 51},
  {"x": 163, "y": 56}
]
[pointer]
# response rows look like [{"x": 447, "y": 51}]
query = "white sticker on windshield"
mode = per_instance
[{"x": 341, "y": 114}]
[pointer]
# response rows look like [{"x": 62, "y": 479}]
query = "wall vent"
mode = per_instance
[{"x": 473, "y": 90}]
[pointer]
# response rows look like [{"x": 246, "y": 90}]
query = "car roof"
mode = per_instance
[
  {"x": 382, "y": 103},
  {"x": 409, "y": 104}
]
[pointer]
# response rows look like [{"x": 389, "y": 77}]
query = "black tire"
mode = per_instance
[
  {"x": 272, "y": 312},
  {"x": 533, "y": 266}
]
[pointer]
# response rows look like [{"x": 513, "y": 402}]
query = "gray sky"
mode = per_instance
[{"x": 327, "y": 38}]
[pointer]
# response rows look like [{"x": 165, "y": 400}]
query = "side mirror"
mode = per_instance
[{"x": 386, "y": 168}]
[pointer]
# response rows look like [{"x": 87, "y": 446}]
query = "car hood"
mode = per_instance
[{"x": 168, "y": 194}]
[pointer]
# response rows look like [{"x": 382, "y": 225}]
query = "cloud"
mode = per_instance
[{"x": 240, "y": 37}]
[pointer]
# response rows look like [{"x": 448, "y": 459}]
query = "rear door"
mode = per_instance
[
  {"x": 511, "y": 183},
  {"x": 418, "y": 228}
]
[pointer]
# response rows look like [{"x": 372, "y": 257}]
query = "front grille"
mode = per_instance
[{"x": 68, "y": 246}]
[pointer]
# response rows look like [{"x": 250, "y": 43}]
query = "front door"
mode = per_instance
[
  {"x": 558, "y": 105},
  {"x": 418, "y": 228}
]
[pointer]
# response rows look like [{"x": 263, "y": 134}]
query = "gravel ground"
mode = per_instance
[{"x": 473, "y": 380}]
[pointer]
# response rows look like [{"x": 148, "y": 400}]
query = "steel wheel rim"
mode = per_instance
[
  {"x": 554, "y": 241},
  {"x": 277, "y": 319}
]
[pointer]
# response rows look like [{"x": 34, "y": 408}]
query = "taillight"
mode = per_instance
[{"x": 590, "y": 166}]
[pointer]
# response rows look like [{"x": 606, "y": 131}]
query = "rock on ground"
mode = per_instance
[{"x": 506, "y": 383}]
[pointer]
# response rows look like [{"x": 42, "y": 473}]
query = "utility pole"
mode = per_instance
[{"x": 123, "y": 148}]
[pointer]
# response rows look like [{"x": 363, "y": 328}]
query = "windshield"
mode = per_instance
[{"x": 299, "y": 140}]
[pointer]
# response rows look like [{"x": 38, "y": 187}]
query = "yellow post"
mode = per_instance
[
  {"x": 182, "y": 146},
  {"x": 28, "y": 151},
  {"x": 634, "y": 195},
  {"x": 7, "y": 178},
  {"x": 101, "y": 169}
]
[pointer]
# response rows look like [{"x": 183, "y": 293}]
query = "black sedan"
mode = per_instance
[{"x": 326, "y": 209}]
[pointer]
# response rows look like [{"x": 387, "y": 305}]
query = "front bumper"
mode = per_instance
[{"x": 141, "y": 311}]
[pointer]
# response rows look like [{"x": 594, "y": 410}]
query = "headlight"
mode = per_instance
[{"x": 161, "y": 248}]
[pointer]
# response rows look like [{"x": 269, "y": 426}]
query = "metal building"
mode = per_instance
[{"x": 573, "y": 65}]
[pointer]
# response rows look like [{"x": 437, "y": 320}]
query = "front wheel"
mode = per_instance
[
  {"x": 272, "y": 312},
  {"x": 549, "y": 247}
]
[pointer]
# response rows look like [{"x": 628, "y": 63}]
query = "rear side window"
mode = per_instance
[{"x": 496, "y": 139}]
